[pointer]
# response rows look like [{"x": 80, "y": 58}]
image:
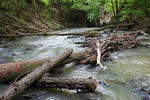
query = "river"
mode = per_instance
[{"x": 129, "y": 70}]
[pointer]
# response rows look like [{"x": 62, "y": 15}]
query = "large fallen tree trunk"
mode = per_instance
[
  {"x": 9, "y": 71},
  {"x": 17, "y": 87},
  {"x": 85, "y": 84}
]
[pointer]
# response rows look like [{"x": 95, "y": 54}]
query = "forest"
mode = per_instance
[{"x": 74, "y": 49}]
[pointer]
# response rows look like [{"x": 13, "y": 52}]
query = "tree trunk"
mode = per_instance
[
  {"x": 1, "y": 1},
  {"x": 9, "y": 71},
  {"x": 85, "y": 84},
  {"x": 145, "y": 8},
  {"x": 17, "y": 87},
  {"x": 34, "y": 4},
  {"x": 117, "y": 17},
  {"x": 112, "y": 3}
]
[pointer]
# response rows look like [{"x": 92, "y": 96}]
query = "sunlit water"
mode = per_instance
[{"x": 129, "y": 68}]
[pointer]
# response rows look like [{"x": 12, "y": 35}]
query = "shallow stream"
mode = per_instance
[{"x": 129, "y": 70}]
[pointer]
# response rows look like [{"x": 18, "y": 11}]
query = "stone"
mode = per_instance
[{"x": 93, "y": 34}]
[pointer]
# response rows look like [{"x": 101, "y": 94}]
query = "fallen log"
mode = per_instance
[
  {"x": 115, "y": 26},
  {"x": 41, "y": 34},
  {"x": 109, "y": 26},
  {"x": 17, "y": 87},
  {"x": 9, "y": 71},
  {"x": 85, "y": 84}
]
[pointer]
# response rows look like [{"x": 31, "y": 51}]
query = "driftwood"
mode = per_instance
[
  {"x": 9, "y": 71},
  {"x": 108, "y": 45},
  {"x": 85, "y": 84},
  {"x": 17, "y": 87},
  {"x": 99, "y": 55}
]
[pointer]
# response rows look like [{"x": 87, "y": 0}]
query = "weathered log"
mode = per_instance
[
  {"x": 17, "y": 87},
  {"x": 9, "y": 71},
  {"x": 114, "y": 26},
  {"x": 107, "y": 27},
  {"x": 40, "y": 34},
  {"x": 85, "y": 84}
]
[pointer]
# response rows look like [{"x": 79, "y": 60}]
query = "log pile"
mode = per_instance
[
  {"x": 103, "y": 47},
  {"x": 21, "y": 83},
  {"x": 18, "y": 86}
]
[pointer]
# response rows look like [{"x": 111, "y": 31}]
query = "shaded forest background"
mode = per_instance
[{"x": 29, "y": 16}]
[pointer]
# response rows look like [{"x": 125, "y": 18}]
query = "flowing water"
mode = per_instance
[{"x": 129, "y": 70}]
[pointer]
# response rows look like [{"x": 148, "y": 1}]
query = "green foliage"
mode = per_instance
[
  {"x": 95, "y": 8},
  {"x": 127, "y": 8},
  {"x": 46, "y": 2},
  {"x": 80, "y": 5},
  {"x": 128, "y": 13}
]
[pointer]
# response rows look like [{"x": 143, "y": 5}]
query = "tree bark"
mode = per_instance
[
  {"x": 1, "y": 1},
  {"x": 117, "y": 17},
  {"x": 34, "y": 4},
  {"x": 17, "y": 87},
  {"x": 145, "y": 8},
  {"x": 112, "y": 3},
  {"x": 85, "y": 84},
  {"x": 9, "y": 71}
]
